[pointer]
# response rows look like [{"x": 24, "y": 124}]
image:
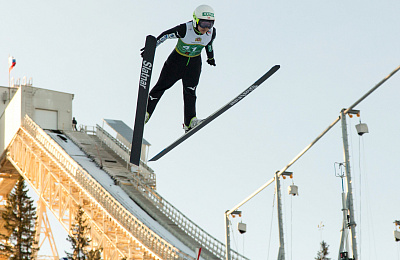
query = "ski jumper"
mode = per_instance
[{"x": 183, "y": 63}]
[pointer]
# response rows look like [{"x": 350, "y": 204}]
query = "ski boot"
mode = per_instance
[{"x": 193, "y": 123}]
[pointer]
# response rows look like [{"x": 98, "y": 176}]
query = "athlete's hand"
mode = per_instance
[{"x": 211, "y": 62}]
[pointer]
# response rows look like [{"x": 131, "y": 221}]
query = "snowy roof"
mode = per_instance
[{"x": 123, "y": 129}]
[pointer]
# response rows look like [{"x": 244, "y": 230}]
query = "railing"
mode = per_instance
[
  {"x": 146, "y": 174},
  {"x": 87, "y": 129},
  {"x": 190, "y": 228},
  {"x": 137, "y": 229}
]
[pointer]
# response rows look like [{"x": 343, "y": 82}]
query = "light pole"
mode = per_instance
[
  {"x": 227, "y": 232},
  {"x": 234, "y": 212},
  {"x": 347, "y": 198}
]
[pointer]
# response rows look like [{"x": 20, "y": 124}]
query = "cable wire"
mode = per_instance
[
  {"x": 243, "y": 244},
  {"x": 398, "y": 251},
  {"x": 360, "y": 176},
  {"x": 233, "y": 236},
  {"x": 366, "y": 205},
  {"x": 270, "y": 227},
  {"x": 291, "y": 227}
]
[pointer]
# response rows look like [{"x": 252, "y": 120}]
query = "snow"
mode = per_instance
[{"x": 105, "y": 180}]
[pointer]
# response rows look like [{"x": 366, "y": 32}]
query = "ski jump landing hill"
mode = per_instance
[{"x": 90, "y": 168}]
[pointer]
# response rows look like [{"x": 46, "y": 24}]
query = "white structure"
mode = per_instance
[
  {"x": 71, "y": 169},
  {"x": 49, "y": 109}
]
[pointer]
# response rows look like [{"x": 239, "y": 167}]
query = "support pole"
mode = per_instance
[
  {"x": 227, "y": 237},
  {"x": 349, "y": 198},
  {"x": 281, "y": 253},
  {"x": 43, "y": 227},
  {"x": 343, "y": 232}
]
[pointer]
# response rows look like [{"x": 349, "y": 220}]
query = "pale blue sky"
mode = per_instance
[{"x": 330, "y": 52}]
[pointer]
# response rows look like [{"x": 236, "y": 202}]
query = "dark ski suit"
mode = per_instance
[{"x": 183, "y": 63}]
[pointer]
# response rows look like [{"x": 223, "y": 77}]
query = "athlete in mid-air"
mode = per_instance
[{"x": 185, "y": 61}]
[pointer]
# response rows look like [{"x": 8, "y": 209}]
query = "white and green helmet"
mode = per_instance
[{"x": 203, "y": 12}]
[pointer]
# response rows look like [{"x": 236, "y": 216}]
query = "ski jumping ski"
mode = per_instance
[
  {"x": 217, "y": 113},
  {"x": 143, "y": 93}
]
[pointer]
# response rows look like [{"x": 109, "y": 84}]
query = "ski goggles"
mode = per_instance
[{"x": 206, "y": 23}]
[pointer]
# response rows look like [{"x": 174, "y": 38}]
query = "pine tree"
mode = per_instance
[
  {"x": 80, "y": 240},
  {"x": 20, "y": 218},
  {"x": 323, "y": 253},
  {"x": 94, "y": 254}
]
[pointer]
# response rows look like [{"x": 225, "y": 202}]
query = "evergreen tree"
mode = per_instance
[
  {"x": 20, "y": 217},
  {"x": 80, "y": 240},
  {"x": 323, "y": 253},
  {"x": 94, "y": 254}
]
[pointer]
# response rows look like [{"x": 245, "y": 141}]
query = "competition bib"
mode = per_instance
[{"x": 192, "y": 44}]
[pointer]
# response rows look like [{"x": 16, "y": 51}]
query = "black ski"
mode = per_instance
[
  {"x": 217, "y": 113},
  {"x": 143, "y": 94}
]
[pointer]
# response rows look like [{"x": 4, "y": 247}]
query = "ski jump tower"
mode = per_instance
[{"x": 90, "y": 168}]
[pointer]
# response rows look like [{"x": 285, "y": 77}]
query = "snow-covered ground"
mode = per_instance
[{"x": 105, "y": 180}]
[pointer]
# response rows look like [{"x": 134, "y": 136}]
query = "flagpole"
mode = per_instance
[
  {"x": 11, "y": 65},
  {"x": 9, "y": 81}
]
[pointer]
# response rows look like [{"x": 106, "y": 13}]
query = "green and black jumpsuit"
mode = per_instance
[{"x": 183, "y": 63}]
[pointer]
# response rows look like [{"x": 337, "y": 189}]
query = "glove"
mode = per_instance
[{"x": 211, "y": 62}]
